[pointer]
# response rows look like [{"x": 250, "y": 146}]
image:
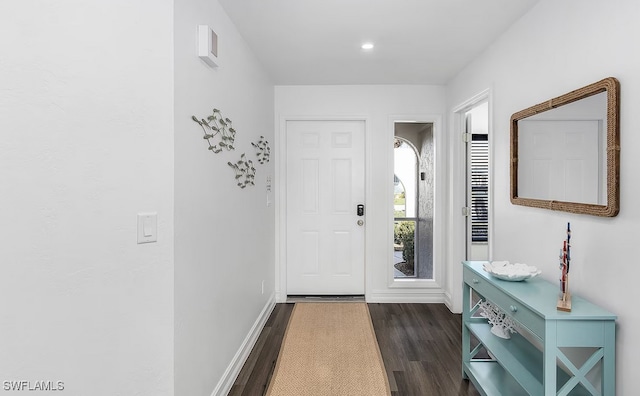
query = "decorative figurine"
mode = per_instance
[
  {"x": 564, "y": 302},
  {"x": 502, "y": 325}
]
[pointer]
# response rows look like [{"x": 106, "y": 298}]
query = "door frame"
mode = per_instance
[
  {"x": 281, "y": 195},
  {"x": 457, "y": 234}
]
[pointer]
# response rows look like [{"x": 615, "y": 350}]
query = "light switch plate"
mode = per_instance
[
  {"x": 268, "y": 184},
  {"x": 147, "y": 227}
]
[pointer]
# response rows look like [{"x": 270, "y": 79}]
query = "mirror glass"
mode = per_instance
[{"x": 564, "y": 152}]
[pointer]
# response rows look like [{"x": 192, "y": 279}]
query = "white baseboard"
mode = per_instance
[
  {"x": 232, "y": 371},
  {"x": 448, "y": 301},
  {"x": 454, "y": 306},
  {"x": 281, "y": 297}
]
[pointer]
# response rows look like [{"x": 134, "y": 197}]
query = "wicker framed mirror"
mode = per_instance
[{"x": 565, "y": 152}]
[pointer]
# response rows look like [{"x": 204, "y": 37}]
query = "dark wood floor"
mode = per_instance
[{"x": 420, "y": 346}]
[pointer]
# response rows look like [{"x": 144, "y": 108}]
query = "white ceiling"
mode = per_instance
[{"x": 317, "y": 42}]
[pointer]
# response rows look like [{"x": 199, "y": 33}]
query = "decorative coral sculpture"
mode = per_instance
[{"x": 502, "y": 325}]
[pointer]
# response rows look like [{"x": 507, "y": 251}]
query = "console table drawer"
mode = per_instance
[{"x": 511, "y": 307}]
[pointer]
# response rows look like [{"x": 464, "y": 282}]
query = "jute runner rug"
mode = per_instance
[{"x": 329, "y": 349}]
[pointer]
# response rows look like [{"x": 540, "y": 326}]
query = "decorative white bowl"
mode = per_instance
[{"x": 511, "y": 272}]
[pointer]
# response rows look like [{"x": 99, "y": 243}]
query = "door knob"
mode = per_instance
[{"x": 360, "y": 222}]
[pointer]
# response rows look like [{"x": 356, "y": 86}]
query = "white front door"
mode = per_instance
[{"x": 325, "y": 184}]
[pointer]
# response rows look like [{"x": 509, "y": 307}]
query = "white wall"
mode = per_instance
[
  {"x": 86, "y": 121},
  {"x": 555, "y": 48},
  {"x": 224, "y": 236},
  {"x": 378, "y": 105}
]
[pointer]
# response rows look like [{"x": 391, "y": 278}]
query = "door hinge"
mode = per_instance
[
  {"x": 466, "y": 137},
  {"x": 466, "y": 211}
]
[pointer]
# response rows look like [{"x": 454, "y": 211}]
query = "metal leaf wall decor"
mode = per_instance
[
  {"x": 218, "y": 131},
  {"x": 263, "y": 151},
  {"x": 220, "y": 136},
  {"x": 245, "y": 171}
]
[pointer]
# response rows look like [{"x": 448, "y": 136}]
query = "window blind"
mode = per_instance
[{"x": 479, "y": 188}]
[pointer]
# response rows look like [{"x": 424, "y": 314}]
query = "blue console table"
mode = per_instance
[{"x": 540, "y": 363}]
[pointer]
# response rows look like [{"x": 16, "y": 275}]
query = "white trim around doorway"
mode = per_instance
[
  {"x": 456, "y": 233},
  {"x": 281, "y": 189},
  {"x": 419, "y": 290}
]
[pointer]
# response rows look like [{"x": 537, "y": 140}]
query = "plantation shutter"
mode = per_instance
[{"x": 479, "y": 188}]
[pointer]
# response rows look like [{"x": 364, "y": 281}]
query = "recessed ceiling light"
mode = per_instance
[{"x": 367, "y": 46}]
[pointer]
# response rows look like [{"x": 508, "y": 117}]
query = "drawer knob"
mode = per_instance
[
  {"x": 475, "y": 281},
  {"x": 513, "y": 308}
]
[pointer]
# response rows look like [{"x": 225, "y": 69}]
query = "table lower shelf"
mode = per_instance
[
  {"x": 489, "y": 376},
  {"x": 490, "y": 379}
]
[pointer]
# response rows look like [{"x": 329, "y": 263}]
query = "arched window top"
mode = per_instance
[
  {"x": 400, "y": 142},
  {"x": 405, "y": 178}
]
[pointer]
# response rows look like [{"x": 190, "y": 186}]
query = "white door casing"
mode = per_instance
[
  {"x": 456, "y": 234},
  {"x": 325, "y": 172}
]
